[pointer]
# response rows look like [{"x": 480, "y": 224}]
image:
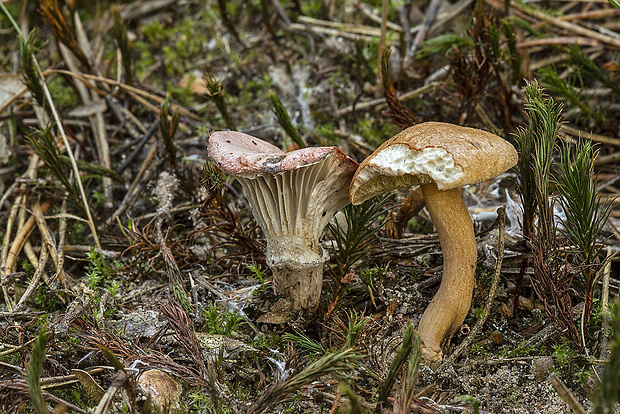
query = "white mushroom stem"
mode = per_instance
[
  {"x": 449, "y": 307},
  {"x": 297, "y": 269},
  {"x": 292, "y": 209}
]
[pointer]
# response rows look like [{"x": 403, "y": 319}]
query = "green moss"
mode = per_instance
[
  {"x": 374, "y": 132},
  {"x": 221, "y": 323},
  {"x": 418, "y": 225},
  {"x": 77, "y": 395},
  {"x": 64, "y": 95},
  {"x": 44, "y": 300},
  {"x": 523, "y": 349}
]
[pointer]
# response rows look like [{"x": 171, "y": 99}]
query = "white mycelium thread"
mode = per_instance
[{"x": 434, "y": 163}]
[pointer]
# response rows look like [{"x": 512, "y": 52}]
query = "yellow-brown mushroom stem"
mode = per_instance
[{"x": 447, "y": 311}]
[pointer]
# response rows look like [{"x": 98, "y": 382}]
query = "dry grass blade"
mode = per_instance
[
  {"x": 20, "y": 239},
  {"x": 136, "y": 92},
  {"x": 570, "y": 27}
]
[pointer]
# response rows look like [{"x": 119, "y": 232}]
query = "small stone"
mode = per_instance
[{"x": 541, "y": 367}]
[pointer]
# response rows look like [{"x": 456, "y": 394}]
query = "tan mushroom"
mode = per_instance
[
  {"x": 293, "y": 196},
  {"x": 441, "y": 158},
  {"x": 165, "y": 392}
]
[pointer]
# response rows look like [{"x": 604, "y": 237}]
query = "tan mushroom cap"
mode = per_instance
[{"x": 449, "y": 155}]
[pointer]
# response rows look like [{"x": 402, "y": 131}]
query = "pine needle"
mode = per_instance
[
  {"x": 33, "y": 373},
  {"x": 216, "y": 93},
  {"x": 119, "y": 31},
  {"x": 356, "y": 240},
  {"x": 285, "y": 120},
  {"x": 398, "y": 363},
  {"x": 339, "y": 364},
  {"x": 407, "y": 388}
]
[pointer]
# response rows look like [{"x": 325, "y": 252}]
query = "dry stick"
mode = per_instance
[
  {"x": 348, "y": 27},
  {"x": 444, "y": 18},
  {"x": 34, "y": 283},
  {"x": 384, "y": 17},
  {"x": 5, "y": 252},
  {"x": 7, "y": 193},
  {"x": 48, "y": 240},
  {"x": 565, "y": 394},
  {"x": 563, "y": 40},
  {"x": 501, "y": 215},
  {"x": 571, "y": 27},
  {"x": 16, "y": 349},
  {"x": 21, "y": 237},
  {"x": 588, "y": 135},
  {"x": 419, "y": 38},
  {"x": 366, "y": 11},
  {"x": 605, "y": 303}
]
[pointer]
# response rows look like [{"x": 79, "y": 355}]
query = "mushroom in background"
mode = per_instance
[
  {"x": 441, "y": 158},
  {"x": 293, "y": 196}
]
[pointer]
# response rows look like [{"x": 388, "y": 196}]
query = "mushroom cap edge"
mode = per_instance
[{"x": 449, "y": 155}]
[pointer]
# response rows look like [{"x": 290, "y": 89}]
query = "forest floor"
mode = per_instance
[{"x": 153, "y": 260}]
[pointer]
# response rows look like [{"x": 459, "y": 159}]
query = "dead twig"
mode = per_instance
[
  {"x": 34, "y": 282},
  {"x": 118, "y": 383},
  {"x": 381, "y": 101},
  {"x": 566, "y": 394},
  {"x": 18, "y": 244}
]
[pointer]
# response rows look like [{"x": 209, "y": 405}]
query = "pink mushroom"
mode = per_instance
[{"x": 293, "y": 196}]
